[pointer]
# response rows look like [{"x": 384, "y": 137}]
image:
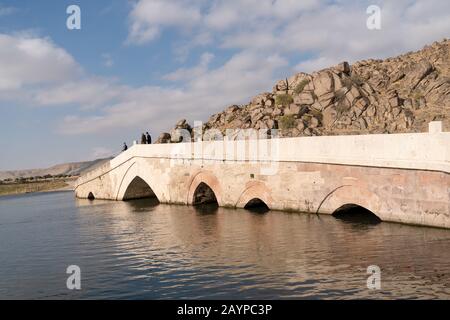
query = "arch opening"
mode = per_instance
[
  {"x": 356, "y": 214},
  {"x": 204, "y": 195},
  {"x": 257, "y": 205},
  {"x": 139, "y": 189},
  {"x": 91, "y": 196}
]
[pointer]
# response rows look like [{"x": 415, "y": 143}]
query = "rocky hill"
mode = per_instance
[{"x": 400, "y": 94}]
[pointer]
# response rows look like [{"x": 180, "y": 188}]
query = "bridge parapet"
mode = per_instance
[
  {"x": 425, "y": 151},
  {"x": 400, "y": 177}
]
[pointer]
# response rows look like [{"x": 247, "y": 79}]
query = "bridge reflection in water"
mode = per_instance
[
  {"x": 211, "y": 252},
  {"x": 140, "y": 249}
]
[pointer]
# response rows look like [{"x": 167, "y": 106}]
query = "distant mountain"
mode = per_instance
[{"x": 72, "y": 168}]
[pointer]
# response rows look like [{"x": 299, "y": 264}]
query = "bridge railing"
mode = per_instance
[{"x": 424, "y": 151}]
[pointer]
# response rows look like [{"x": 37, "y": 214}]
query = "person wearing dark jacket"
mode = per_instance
[
  {"x": 149, "y": 138},
  {"x": 143, "y": 139},
  {"x": 125, "y": 147}
]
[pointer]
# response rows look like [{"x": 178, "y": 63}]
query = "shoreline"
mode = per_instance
[{"x": 37, "y": 187}]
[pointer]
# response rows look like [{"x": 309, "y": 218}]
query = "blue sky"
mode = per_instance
[{"x": 71, "y": 95}]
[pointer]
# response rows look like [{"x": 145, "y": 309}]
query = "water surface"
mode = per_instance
[{"x": 141, "y": 250}]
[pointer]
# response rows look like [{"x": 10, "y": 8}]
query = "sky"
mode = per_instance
[{"x": 141, "y": 65}]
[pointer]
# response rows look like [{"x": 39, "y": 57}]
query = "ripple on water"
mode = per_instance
[{"x": 136, "y": 250}]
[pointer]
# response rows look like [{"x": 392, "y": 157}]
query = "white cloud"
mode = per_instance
[
  {"x": 158, "y": 108},
  {"x": 27, "y": 61},
  {"x": 87, "y": 93},
  {"x": 260, "y": 33},
  {"x": 190, "y": 73},
  {"x": 338, "y": 32},
  {"x": 263, "y": 33},
  {"x": 323, "y": 30},
  {"x": 149, "y": 16}
]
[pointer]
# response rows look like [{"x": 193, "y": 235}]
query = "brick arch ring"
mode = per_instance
[
  {"x": 209, "y": 179},
  {"x": 255, "y": 189},
  {"x": 358, "y": 194}
]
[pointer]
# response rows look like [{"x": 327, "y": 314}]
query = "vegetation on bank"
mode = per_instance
[
  {"x": 33, "y": 184},
  {"x": 47, "y": 177}
]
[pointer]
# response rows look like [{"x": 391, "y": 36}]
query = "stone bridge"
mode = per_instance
[{"x": 399, "y": 177}]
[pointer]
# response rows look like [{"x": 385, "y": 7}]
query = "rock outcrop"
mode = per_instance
[{"x": 400, "y": 94}]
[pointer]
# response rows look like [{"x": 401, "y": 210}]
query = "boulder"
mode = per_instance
[
  {"x": 269, "y": 103},
  {"x": 303, "y": 110},
  {"x": 418, "y": 72},
  {"x": 231, "y": 109},
  {"x": 260, "y": 99},
  {"x": 163, "y": 138},
  {"x": 300, "y": 125},
  {"x": 314, "y": 122},
  {"x": 329, "y": 116},
  {"x": 293, "y": 109},
  {"x": 371, "y": 111},
  {"x": 181, "y": 123},
  {"x": 304, "y": 98},
  {"x": 353, "y": 94},
  {"x": 396, "y": 111},
  {"x": 277, "y": 112},
  {"x": 362, "y": 123},
  {"x": 268, "y": 110},
  {"x": 394, "y": 102},
  {"x": 343, "y": 67},
  {"x": 270, "y": 124},
  {"x": 326, "y": 99},
  {"x": 281, "y": 85},
  {"x": 323, "y": 83},
  {"x": 214, "y": 118},
  {"x": 256, "y": 115},
  {"x": 318, "y": 106},
  {"x": 337, "y": 82},
  {"x": 360, "y": 104}
]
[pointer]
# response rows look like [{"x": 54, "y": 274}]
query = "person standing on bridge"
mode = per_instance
[
  {"x": 143, "y": 139},
  {"x": 149, "y": 138}
]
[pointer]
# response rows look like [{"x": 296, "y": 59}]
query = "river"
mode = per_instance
[{"x": 144, "y": 250}]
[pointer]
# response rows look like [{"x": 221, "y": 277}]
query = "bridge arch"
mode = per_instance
[
  {"x": 203, "y": 194},
  {"x": 256, "y": 193},
  {"x": 355, "y": 213},
  {"x": 91, "y": 196},
  {"x": 136, "y": 184},
  {"x": 202, "y": 187},
  {"x": 138, "y": 189},
  {"x": 257, "y": 205},
  {"x": 348, "y": 199}
]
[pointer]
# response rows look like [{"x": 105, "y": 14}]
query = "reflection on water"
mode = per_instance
[{"x": 139, "y": 249}]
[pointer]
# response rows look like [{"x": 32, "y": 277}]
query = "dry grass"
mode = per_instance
[
  {"x": 299, "y": 88},
  {"x": 284, "y": 99},
  {"x": 286, "y": 122},
  {"x": 18, "y": 188}
]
